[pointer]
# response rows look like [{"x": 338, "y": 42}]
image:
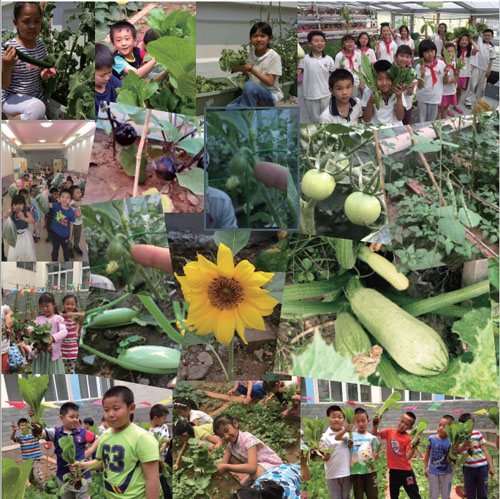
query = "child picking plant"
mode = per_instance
[
  {"x": 22, "y": 246},
  {"x": 244, "y": 453},
  {"x": 73, "y": 321},
  {"x": 188, "y": 410},
  {"x": 263, "y": 70},
  {"x": 22, "y": 90},
  {"x": 252, "y": 390},
  {"x": 106, "y": 82}
]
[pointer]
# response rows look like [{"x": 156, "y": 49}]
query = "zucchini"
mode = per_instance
[
  {"x": 413, "y": 345},
  {"x": 112, "y": 318},
  {"x": 384, "y": 268},
  {"x": 30, "y": 60},
  {"x": 350, "y": 337},
  {"x": 345, "y": 252}
]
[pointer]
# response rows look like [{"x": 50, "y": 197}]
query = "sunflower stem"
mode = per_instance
[
  {"x": 220, "y": 361},
  {"x": 231, "y": 359}
]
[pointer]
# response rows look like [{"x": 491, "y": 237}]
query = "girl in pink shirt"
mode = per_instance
[{"x": 72, "y": 320}]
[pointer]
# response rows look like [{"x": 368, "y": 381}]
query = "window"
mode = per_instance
[
  {"x": 26, "y": 266},
  {"x": 85, "y": 278},
  {"x": 60, "y": 274},
  {"x": 352, "y": 392},
  {"x": 366, "y": 393},
  {"x": 329, "y": 390}
]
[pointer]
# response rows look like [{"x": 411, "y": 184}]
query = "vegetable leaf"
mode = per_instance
[
  {"x": 33, "y": 390},
  {"x": 391, "y": 400}
]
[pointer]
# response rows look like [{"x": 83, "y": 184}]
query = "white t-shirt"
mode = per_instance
[
  {"x": 316, "y": 73},
  {"x": 370, "y": 53},
  {"x": 482, "y": 58},
  {"x": 408, "y": 41},
  {"x": 203, "y": 417},
  {"x": 338, "y": 465},
  {"x": 450, "y": 88},
  {"x": 431, "y": 94},
  {"x": 387, "y": 55},
  {"x": 438, "y": 41},
  {"x": 356, "y": 62},
  {"x": 355, "y": 113},
  {"x": 267, "y": 64},
  {"x": 387, "y": 113},
  {"x": 465, "y": 72}
]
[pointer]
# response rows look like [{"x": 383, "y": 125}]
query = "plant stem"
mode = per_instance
[
  {"x": 231, "y": 360},
  {"x": 220, "y": 361}
]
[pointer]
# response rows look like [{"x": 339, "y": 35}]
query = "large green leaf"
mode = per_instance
[
  {"x": 235, "y": 240},
  {"x": 15, "y": 478},
  {"x": 191, "y": 146},
  {"x": 193, "y": 179},
  {"x": 177, "y": 55},
  {"x": 128, "y": 160},
  {"x": 452, "y": 229}
]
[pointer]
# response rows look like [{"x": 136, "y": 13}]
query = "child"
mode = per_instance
[
  {"x": 62, "y": 225},
  {"x": 385, "y": 49},
  {"x": 37, "y": 215},
  {"x": 22, "y": 90},
  {"x": 403, "y": 59},
  {"x": 127, "y": 56},
  {"x": 127, "y": 453},
  {"x": 464, "y": 50},
  {"x": 30, "y": 449},
  {"x": 337, "y": 470},
  {"x": 188, "y": 410},
  {"x": 7, "y": 314},
  {"x": 106, "y": 82},
  {"x": 76, "y": 197},
  {"x": 478, "y": 466},
  {"x": 436, "y": 466},
  {"x": 252, "y": 390},
  {"x": 481, "y": 63},
  {"x": 350, "y": 59},
  {"x": 103, "y": 426},
  {"x": 399, "y": 454},
  {"x": 24, "y": 250},
  {"x": 316, "y": 68},
  {"x": 438, "y": 38},
  {"x": 68, "y": 414},
  {"x": 430, "y": 86},
  {"x": 343, "y": 108},
  {"x": 449, "y": 85},
  {"x": 404, "y": 38},
  {"x": 50, "y": 361},
  {"x": 244, "y": 452},
  {"x": 88, "y": 423},
  {"x": 363, "y": 47},
  {"x": 149, "y": 36},
  {"x": 362, "y": 464},
  {"x": 72, "y": 321},
  {"x": 185, "y": 430},
  {"x": 263, "y": 70},
  {"x": 394, "y": 104},
  {"x": 53, "y": 195},
  {"x": 158, "y": 424}
]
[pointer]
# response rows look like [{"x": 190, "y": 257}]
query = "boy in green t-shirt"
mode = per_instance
[{"x": 129, "y": 454}]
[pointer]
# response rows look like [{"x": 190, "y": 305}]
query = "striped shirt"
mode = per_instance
[
  {"x": 69, "y": 347},
  {"x": 25, "y": 78},
  {"x": 478, "y": 458},
  {"x": 30, "y": 446}
]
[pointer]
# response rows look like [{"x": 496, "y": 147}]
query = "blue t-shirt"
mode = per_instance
[
  {"x": 109, "y": 94},
  {"x": 438, "y": 462},
  {"x": 362, "y": 453},
  {"x": 286, "y": 475},
  {"x": 61, "y": 219},
  {"x": 20, "y": 224},
  {"x": 120, "y": 63}
]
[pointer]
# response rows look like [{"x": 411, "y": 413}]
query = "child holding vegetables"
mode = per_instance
[
  {"x": 464, "y": 50},
  {"x": 23, "y": 67},
  {"x": 403, "y": 59},
  {"x": 72, "y": 321},
  {"x": 449, "y": 82}
]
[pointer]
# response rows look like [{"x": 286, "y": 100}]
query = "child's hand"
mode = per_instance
[
  {"x": 72, "y": 467},
  {"x": 31, "y": 412},
  {"x": 9, "y": 58},
  {"x": 399, "y": 89},
  {"x": 176, "y": 466},
  {"x": 46, "y": 73},
  {"x": 348, "y": 427},
  {"x": 221, "y": 468},
  {"x": 422, "y": 70},
  {"x": 371, "y": 100},
  {"x": 377, "y": 44},
  {"x": 491, "y": 471},
  {"x": 410, "y": 88},
  {"x": 230, "y": 392},
  {"x": 376, "y": 421},
  {"x": 248, "y": 400},
  {"x": 245, "y": 68},
  {"x": 426, "y": 472},
  {"x": 14, "y": 426}
]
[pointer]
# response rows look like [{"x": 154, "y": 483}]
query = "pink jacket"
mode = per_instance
[{"x": 58, "y": 332}]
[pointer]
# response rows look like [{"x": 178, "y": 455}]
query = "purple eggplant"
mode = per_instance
[
  {"x": 125, "y": 134},
  {"x": 165, "y": 169}
]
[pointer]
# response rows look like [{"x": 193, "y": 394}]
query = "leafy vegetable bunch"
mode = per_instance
[
  {"x": 40, "y": 337},
  {"x": 458, "y": 433},
  {"x": 313, "y": 430},
  {"x": 401, "y": 76},
  {"x": 32, "y": 390}
]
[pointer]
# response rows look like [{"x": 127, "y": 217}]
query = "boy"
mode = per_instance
[
  {"x": 68, "y": 414},
  {"x": 481, "y": 64},
  {"x": 252, "y": 390},
  {"x": 76, "y": 197},
  {"x": 403, "y": 59},
  {"x": 103, "y": 426},
  {"x": 394, "y": 104},
  {"x": 88, "y": 423},
  {"x": 127, "y": 56},
  {"x": 363, "y": 474},
  {"x": 63, "y": 218},
  {"x": 343, "y": 108},
  {"x": 337, "y": 470},
  {"x": 106, "y": 82},
  {"x": 128, "y": 454},
  {"x": 158, "y": 424},
  {"x": 30, "y": 449},
  {"x": 349, "y": 58},
  {"x": 399, "y": 454},
  {"x": 316, "y": 67},
  {"x": 477, "y": 466},
  {"x": 436, "y": 466}
]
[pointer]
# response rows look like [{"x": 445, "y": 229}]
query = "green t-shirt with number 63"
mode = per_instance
[{"x": 122, "y": 455}]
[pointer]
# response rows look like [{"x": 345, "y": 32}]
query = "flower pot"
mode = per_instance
[{"x": 217, "y": 98}]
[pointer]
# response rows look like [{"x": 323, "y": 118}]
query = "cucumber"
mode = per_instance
[
  {"x": 346, "y": 253},
  {"x": 350, "y": 337},
  {"x": 30, "y": 60},
  {"x": 112, "y": 318},
  {"x": 413, "y": 345}
]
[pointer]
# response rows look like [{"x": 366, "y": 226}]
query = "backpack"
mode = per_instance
[{"x": 14, "y": 359}]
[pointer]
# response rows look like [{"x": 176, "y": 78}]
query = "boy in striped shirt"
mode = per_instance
[
  {"x": 30, "y": 449},
  {"x": 478, "y": 465}
]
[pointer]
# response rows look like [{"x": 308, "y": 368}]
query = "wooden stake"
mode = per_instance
[{"x": 139, "y": 152}]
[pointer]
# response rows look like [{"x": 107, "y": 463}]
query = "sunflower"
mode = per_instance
[{"x": 223, "y": 298}]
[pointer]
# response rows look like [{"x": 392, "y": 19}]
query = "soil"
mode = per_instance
[
  {"x": 107, "y": 181},
  {"x": 106, "y": 341}
]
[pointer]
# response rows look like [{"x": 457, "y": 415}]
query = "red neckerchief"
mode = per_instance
[
  {"x": 463, "y": 56},
  {"x": 388, "y": 46},
  {"x": 433, "y": 73},
  {"x": 366, "y": 49},
  {"x": 350, "y": 57}
]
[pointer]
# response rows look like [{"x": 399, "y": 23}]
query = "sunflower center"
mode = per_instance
[{"x": 225, "y": 293}]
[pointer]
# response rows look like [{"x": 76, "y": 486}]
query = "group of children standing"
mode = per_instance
[
  {"x": 333, "y": 92},
  {"x": 350, "y": 458},
  {"x": 63, "y": 222}
]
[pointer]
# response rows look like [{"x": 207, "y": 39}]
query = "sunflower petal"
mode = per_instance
[
  {"x": 240, "y": 327},
  {"x": 251, "y": 316},
  {"x": 207, "y": 267},
  {"x": 224, "y": 330},
  {"x": 225, "y": 262}
]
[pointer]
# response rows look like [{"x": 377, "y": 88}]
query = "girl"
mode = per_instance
[
  {"x": 363, "y": 47},
  {"x": 21, "y": 82},
  {"x": 464, "y": 52},
  {"x": 49, "y": 362},
  {"x": 450, "y": 85},
  {"x": 37, "y": 215},
  {"x": 184, "y": 431},
  {"x": 244, "y": 453},
  {"x": 187, "y": 409},
  {"x": 72, "y": 321},
  {"x": 430, "y": 86},
  {"x": 404, "y": 38},
  {"x": 263, "y": 70},
  {"x": 385, "y": 48},
  {"x": 349, "y": 58},
  {"x": 24, "y": 250},
  {"x": 438, "y": 38}
]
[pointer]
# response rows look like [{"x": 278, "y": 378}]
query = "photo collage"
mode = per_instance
[{"x": 263, "y": 262}]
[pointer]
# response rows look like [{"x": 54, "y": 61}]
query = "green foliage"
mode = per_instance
[
  {"x": 15, "y": 477},
  {"x": 418, "y": 430},
  {"x": 229, "y": 59},
  {"x": 316, "y": 487},
  {"x": 207, "y": 85},
  {"x": 32, "y": 390},
  {"x": 389, "y": 402},
  {"x": 40, "y": 337},
  {"x": 369, "y": 77},
  {"x": 184, "y": 390},
  {"x": 108, "y": 13}
]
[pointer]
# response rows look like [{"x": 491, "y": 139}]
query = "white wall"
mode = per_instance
[
  {"x": 40, "y": 157},
  {"x": 78, "y": 154},
  {"x": 12, "y": 276},
  {"x": 7, "y": 151}
]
